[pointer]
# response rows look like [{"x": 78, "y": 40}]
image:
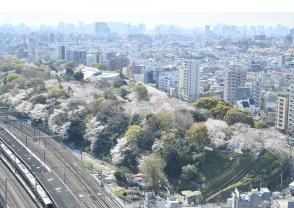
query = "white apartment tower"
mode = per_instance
[
  {"x": 235, "y": 77},
  {"x": 291, "y": 110},
  {"x": 282, "y": 112},
  {"x": 190, "y": 80}
]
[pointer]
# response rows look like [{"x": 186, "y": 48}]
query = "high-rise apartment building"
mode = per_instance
[
  {"x": 235, "y": 77},
  {"x": 291, "y": 110},
  {"x": 61, "y": 52},
  {"x": 190, "y": 80},
  {"x": 76, "y": 56},
  {"x": 282, "y": 111}
]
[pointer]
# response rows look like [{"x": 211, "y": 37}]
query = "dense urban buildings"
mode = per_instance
[{"x": 210, "y": 108}]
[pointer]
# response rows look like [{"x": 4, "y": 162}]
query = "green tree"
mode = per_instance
[
  {"x": 190, "y": 173},
  {"x": 220, "y": 110},
  {"x": 239, "y": 116},
  {"x": 152, "y": 168},
  {"x": 198, "y": 134},
  {"x": 133, "y": 134},
  {"x": 78, "y": 76},
  {"x": 123, "y": 92},
  {"x": 141, "y": 92},
  {"x": 260, "y": 124},
  {"x": 102, "y": 67},
  {"x": 13, "y": 77},
  {"x": 120, "y": 176},
  {"x": 206, "y": 102},
  {"x": 198, "y": 116},
  {"x": 56, "y": 93}
]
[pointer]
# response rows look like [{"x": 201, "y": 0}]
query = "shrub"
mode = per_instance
[
  {"x": 141, "y": 92},
  {"x": 56, "y": 93},
  {"x": 239, "y": 116}
]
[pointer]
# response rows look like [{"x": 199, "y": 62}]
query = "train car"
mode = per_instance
[{"x": 28, "y": 176}]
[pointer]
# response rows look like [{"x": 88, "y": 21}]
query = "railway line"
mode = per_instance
[
  {"x": 40, "y": 174},
  {"x": 56, "y": 156},
  {"x": 17, "y": 195}
]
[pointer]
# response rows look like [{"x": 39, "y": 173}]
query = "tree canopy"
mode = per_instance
[
  {"x": 152, "y": 168},
  {"x": 239, "y": 116}
]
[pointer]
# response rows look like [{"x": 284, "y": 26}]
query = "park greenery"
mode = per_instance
[{"x": 166, "y": 147}]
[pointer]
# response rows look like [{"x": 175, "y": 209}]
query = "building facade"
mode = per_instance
[
  {"x": 189, "y": 80},
  {"x": 235, "y": 77},
  {"x": 282, "y": 111}
]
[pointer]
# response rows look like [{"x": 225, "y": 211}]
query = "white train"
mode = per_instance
[{"x": 28, "y": 176}]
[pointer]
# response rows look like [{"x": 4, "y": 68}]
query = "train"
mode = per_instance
[{"x": 30, "y": 179}]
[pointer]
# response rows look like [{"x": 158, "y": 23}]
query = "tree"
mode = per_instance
[
  {"x": 152, "y": 167},
  {"x": 182, "y": 119},
  {"x": 119, "y": 82},
  {"x": 69, "y": 71},
  {"x": 198, "y": 135},
  {"x": 239, "y": 116},
  {"x": 78, "y": 75},
  {"x": 260, "y": 124},
  {"x": 141, "y": 92},
  {"x": 133, "y": 134},
  {"x": 198, "y": 116},
  {"x": 12, "y": 77},
  {"x": 220, "y": 110},
  {"x": 120, "y": 176},
  {"x": 56, "y": 93},
  {"x": 190, "y": 173},
  {"x": 206, "y": 102},
  {"x": 102, "y": 67},
  {"x": 162, "y": 121},
  {"x": 123, "y": 92}
]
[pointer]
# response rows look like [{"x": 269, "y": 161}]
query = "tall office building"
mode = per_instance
[
  {"x": 102, "y": 29},
  {"x": 235, "y": 77},
  {"x": 282, "y": 112},
  {"x": 61, "y": 52},
  {"x": 190, "y": 80}
]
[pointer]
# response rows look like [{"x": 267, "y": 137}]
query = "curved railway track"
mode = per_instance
[{"x": 81, "y": 183}]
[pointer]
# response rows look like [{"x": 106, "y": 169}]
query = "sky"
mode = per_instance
[{"x": 185, "y": 13}]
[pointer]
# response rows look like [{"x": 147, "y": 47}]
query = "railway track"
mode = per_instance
[
  {"x": 81, "y": 183},
  {"x": 232, "y": 180},
  {"x": 17, "y": 196}
]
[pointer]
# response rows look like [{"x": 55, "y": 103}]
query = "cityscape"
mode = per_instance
[{"x": 114, "y": 114}]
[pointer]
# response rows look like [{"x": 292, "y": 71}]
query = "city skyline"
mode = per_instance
[{"x": 152, "y": 19}]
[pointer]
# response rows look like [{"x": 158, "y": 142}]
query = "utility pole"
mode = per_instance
[
  {"x": 6, "y": 193},
  {"x": 282, "y": 181},
  {"x": 64, "y": 175},
  {"x": 81, "y": 156},
  {"x": 44, "y": 157}
]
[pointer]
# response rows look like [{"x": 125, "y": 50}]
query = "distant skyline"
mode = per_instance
[
  {"x": 151, "y": 19},
  {"x": 184, "y": 13}
]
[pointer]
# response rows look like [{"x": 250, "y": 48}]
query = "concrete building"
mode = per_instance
[
  {"x": 118, "y": 63},
  {"x": 247, "y": 105},
  {"x": 76, "y": 56},
  {"x": 136, "y": 72},
  {"x": 235, "y": 77},
  {"x": 282, "y": 111},
  {"x": 168, "y": 80},
  {"x": 189, "y": 80},
  {"x": 102, "y": 29},
  {"x": 291, "y": 110},
  {"x": 251, "y": 199},
  {"x": 61, "y": 52}
]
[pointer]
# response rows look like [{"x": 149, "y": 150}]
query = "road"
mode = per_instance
[
  {"x": 17, "y": 196},
  {"x": 60, "y": 159}
]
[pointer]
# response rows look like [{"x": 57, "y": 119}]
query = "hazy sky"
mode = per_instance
[{"x": 187, "y": 13}]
